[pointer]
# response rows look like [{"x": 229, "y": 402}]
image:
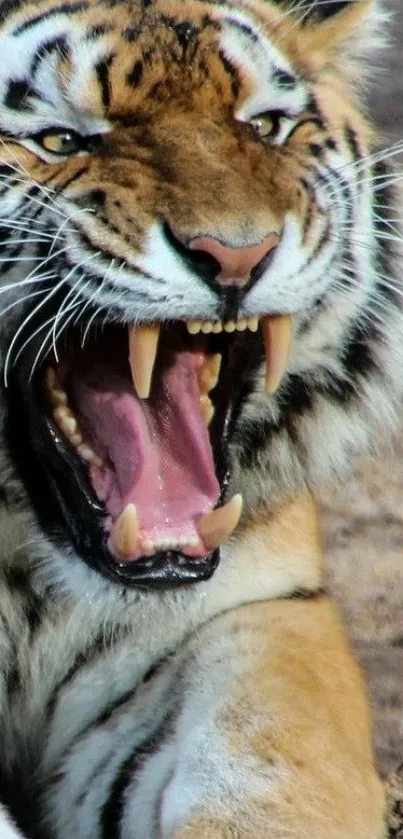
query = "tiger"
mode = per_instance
[{"x": 201, "y": 325}]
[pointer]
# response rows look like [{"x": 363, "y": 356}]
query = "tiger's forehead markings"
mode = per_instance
[
  {"x": 57, "y": 44},
  {"x": 98, "y": 30},
  {"x": 274, "y": 81},
  {"x": 63, "y": 9},
  {"x": 249, "y": 57},
  {"x": 283, "y": 78}
]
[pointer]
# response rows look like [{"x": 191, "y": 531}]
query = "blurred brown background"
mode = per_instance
[{"x": 363, "y": 521}]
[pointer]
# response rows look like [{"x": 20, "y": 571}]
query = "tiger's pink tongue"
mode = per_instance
[{"x": 156, "y": 454}]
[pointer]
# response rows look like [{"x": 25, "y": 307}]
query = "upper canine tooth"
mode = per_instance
[
  {"x": 125, "y": 532},
  {"x": 216, "y": 527},
  {"x": 143, "y": 346},
  {"x": 217, "y": 327},
  {"x": 276, "y": 331}
]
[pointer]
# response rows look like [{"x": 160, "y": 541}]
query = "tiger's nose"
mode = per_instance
[{"x": 236, "y": 264}]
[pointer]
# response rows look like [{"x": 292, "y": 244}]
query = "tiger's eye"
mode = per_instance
[
  {"x": 61, "y": 142},
  {"x": 265, "y": 125}
]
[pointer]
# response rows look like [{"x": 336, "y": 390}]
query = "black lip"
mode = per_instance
[{"x": 63, "y": 498}]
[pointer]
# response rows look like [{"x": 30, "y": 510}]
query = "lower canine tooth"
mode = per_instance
[
  {"x": 125, "y": 532},
  {"x": 276, "y": 331},
  {"x": 216, "y": 527},
  {"x": 143, "y": 346}
]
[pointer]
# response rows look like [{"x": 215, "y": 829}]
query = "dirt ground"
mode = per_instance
[{"x": 363, "y": 521}]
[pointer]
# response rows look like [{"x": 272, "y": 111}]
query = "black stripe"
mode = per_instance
[
  {"x": 8, "y": 7},
  {"x": 85, "y": 659},
  {"x": 135, "y": 75},
  {"x": 314, "y": 121},
  {"x": 246, "y": 30},
  {"x": 232, "y": 72},
  {"x": 358, "y": 357},
  {"x": 352, "y": 142},
  {"x": 16, "y": 97},
  {"x": 283, "y": 79},
  {"x": 319, "y": 10},
  {"x": 343, "y": 185},
  {"x": 112, "y": 810},
  {"x": 71, "y": 180},
  {"x": 63, "y": 9},
  {"x": 47, "y": 48},
  {"x": 385, "y": 201},
  {"x": 102, "y": 70},
  {"x": 98, "y": 30},
  {"x": 131, "y": 34}
]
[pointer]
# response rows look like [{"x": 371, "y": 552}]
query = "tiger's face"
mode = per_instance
[{"x": 178, "y": 183}]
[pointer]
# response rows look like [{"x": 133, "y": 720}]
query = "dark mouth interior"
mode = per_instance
[{"x": 99, "y": 448}]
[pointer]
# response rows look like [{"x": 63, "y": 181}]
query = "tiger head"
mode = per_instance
[{"x": 192, "y": 309}]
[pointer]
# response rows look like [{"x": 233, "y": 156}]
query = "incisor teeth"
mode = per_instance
[
  {"x": 216, "y": 326},
  {"x": 194, "y": 326},
  {"x": 87, "y": 454},
  {"x": 125, "y": 532},
  {"x": 143, "y": 346},
  {"x": 276, "y": 331},
  {"x": 240, "y": 325},
  {"x": 216, "y": 527}
]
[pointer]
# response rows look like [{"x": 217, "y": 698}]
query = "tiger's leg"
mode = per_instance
[{"x": 273, "y": 738}]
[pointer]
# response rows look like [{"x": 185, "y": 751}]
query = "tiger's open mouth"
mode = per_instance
[{"x": 131, "y": 430}]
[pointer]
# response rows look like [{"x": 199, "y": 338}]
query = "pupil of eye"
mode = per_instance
[{"x": 67, "y": 141}]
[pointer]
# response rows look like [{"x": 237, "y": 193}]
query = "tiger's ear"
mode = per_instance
[{"x": 345, "y": 33}]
